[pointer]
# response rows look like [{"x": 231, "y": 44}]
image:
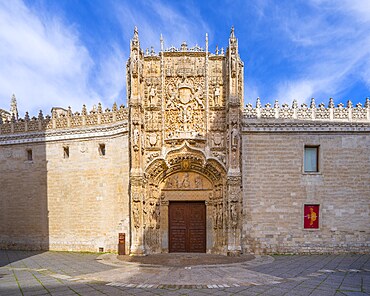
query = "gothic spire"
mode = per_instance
[
  {"x": 232, "y": 34},
  {"x": 136, "y": 34},
  {"x": 135, "y": 39},
  {"x": 162, "y": 42},
  {"x": 13, "y": 107}
]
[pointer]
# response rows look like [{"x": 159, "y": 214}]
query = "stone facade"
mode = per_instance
[
  {"x": 64, "y": 180},
  {"x": 74, "y": 181}
]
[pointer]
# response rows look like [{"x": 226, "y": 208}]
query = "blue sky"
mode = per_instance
[{"x": 71, "y": 52}]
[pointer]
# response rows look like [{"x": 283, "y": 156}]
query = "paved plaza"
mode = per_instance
[{"x": 66, "y": 273}]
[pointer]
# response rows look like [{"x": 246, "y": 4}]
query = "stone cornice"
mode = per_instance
[
  {"x": 65, "y": 134},
  {"x": 271, "y": 125}
]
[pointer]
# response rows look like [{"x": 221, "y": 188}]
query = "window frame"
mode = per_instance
[
  {"x": 102, "y": 149},
  {"x": 29, "y": 155},
  {"x": 65, "y": 152},
  {"x": 318, "y": 164}
]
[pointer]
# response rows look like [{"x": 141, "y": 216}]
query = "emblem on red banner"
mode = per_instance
[{"x": 311, "y": 216}]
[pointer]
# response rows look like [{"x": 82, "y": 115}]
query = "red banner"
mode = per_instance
[{"x": 311, "y": 216}]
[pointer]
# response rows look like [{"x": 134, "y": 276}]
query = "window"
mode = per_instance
[
  {"x": 65, "y": 152},
  {"x": 102, "y": 149},
  {"x": 311, "y": 159},
  {"x": 29, "y": 154}
]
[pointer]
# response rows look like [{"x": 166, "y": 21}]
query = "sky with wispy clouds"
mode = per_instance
[{"x": 73, "y": 52}]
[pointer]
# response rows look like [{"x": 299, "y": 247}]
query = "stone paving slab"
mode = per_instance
[{"x": 64, "y": 273}]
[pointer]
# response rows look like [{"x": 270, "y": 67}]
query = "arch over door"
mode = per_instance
[{"x": 187, "y": 227}]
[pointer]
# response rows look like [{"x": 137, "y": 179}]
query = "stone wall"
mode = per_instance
[
  {"x": 88, "y": 194},
  {"x": 74, "y": 203},
  {"x": 23, "y": 197},
  {"x": 70, "y": 196},
  {"x": 275, "y": 188}
]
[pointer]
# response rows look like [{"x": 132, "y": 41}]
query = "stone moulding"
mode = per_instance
[
  {"x": 266, "y": 125},
  {"x": 65, "y": 134}
]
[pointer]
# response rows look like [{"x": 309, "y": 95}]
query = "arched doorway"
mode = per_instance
[{"x": 185, "y": 206}]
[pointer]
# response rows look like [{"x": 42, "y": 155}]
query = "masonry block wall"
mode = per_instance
[
  {"x": 23, "y": 197},
  {"x": 276, "y": 188},
  {"x": 55, "y": 202},
  {"x": 88, "y": 193}
]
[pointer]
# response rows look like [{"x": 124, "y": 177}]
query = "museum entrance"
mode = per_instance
[{"x": 187, "y": 226}]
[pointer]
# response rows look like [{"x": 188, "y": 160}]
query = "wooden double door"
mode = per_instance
[{"x": 187, "y": 227}]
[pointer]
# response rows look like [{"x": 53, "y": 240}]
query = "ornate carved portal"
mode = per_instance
[
  {"x": 184, "y": 176},
  {"x": 184, "y": 115}
]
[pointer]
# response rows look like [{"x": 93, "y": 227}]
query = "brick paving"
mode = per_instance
[{"x": 65, "y": 273}]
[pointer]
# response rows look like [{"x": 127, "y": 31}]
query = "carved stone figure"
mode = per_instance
[
  {"x": 152, "y": 95},
  {"x": 198, "y": 182},
  {"x": 185, "y": 182},
  {"x": 217, "y": 97},
  {"x": 136, "y": 139},
  {"x": 214, "y": 216},
  {"x": 219, "y": 215},
  {"x": 234, "y": 214},
  {"x": 234, "y": 137},
  {"x": 136, "y": 214}
]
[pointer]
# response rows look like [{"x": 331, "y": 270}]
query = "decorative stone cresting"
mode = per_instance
[
  {"x": 312, "y": 112},
  {"x": 65, "y": 119}
]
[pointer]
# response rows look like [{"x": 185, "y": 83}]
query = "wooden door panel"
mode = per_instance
[
  {"x": 187, "y": 227},
  {"x": 178, "y": 240},
  {"x": 197, "y": 240}
]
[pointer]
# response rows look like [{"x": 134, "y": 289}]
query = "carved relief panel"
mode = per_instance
[
  {"x": 187, "y": 181},
  {"x": 216, "y": 93},
  {"x": 185, "y": 108}
]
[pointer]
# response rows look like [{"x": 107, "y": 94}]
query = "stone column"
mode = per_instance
[{"x": 234, "y": 108}]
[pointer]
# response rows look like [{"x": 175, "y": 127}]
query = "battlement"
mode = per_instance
[
  {"x": 319, "y": 112},
  {"x": 64, "y": 119}
]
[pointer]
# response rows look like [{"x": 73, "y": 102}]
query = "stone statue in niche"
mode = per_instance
[
  {"x": 157, "y": 215},
  {"x": 150, "y": 207},
  {"x": 150, "y": 212},
  {"x": 234, "y": 137},
  {"x": 217, "y": 96},
  {"x": 198, "y": 182},
  {"x": 219, "y": 215},
  {"x": 136, "y": 139},
  {"x": 233, "y": 66},
  {"x": 234, "y": 214},
  {"x": 152, "y": 95},
  {"x": 214, "y": 216},
  {"x": 185, "y": 182},
  {"x": 136, "y": 214}
]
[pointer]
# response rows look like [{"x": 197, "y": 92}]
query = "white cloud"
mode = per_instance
[
  {"x": 42, "y": 61},
  {"x": 297, "y": 90},
  {"x": 329, "y": 55}
]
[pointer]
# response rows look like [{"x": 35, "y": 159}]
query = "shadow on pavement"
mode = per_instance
[{"x": 9, "y": 256}]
